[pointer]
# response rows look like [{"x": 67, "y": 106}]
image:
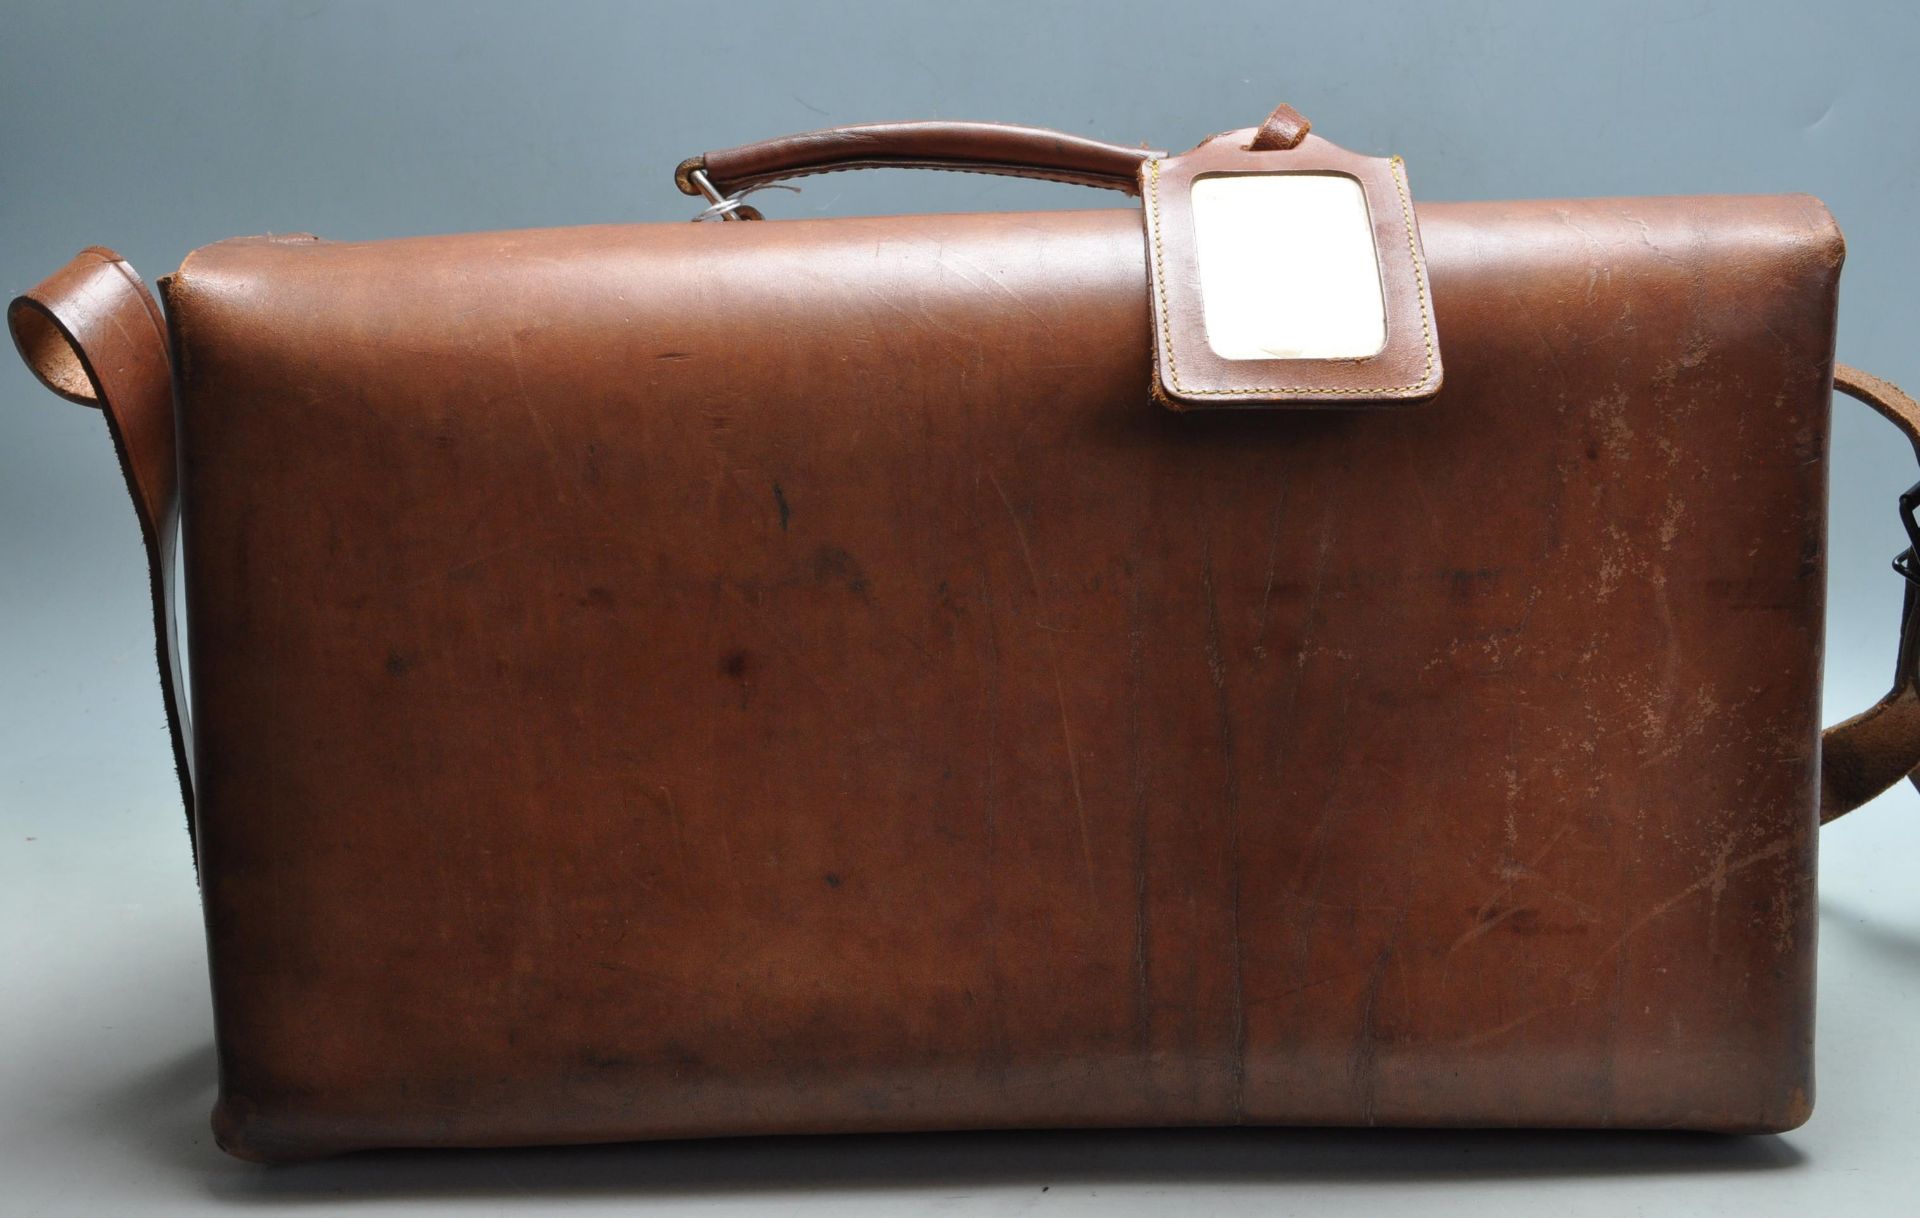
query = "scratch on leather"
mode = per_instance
[
  {"x": 530, "y": 402},
  {"x": 1059, "y": 687},
  {"x": 1363, "y": 1067},
  {"x": 1216, "y": 666},
  {"x": 1142, "y": 958},
  {"x": 982, "y": 278},
  {"x": 1582, "y": 982}
]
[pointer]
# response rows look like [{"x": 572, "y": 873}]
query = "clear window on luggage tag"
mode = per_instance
[{"x": 1288, "y": 268}]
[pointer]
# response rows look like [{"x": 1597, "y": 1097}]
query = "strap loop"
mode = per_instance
[{"x": 94, "y": 335}]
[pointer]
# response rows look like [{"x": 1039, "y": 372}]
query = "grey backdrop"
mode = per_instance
[{"x": 156, "y": 127}]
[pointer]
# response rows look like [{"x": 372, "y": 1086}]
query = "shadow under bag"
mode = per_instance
[{"x": 914, "y": 673}]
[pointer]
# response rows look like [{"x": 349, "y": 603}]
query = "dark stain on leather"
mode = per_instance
[
  {"x": 780, "y": 501},
  {"x": 1530, "y": 922},
  {"x": 831, "y": 564},
  {"x": 1754, "y": 593},
  {"x": 598, "y": 1063},
  {"x": 1465, "y": 585}
]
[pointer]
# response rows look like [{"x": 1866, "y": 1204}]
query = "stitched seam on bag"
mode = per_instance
[{"x": 1166, "y": 331}]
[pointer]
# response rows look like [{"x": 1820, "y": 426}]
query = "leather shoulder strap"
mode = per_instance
[
  {"x": 93, "y": 334},
  {"x": 1865, "y": 755}
]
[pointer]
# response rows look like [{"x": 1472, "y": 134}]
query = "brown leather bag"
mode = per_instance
[{"x": 669, "y": 680}]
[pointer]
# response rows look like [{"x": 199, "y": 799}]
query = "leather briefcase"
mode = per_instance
[{"x": 925, "y": 673}]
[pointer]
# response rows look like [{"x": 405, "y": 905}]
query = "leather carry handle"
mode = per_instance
[
  {"x": 996, "y": 148},
  {"x": 962, "y": 147},
  {"x": 93, "y": 334}
]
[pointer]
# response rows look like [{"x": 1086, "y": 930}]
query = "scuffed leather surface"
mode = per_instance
[{"x": 665, "y": 681}]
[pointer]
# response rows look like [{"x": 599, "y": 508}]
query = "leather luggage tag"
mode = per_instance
[{"x": 1286, "y": 271}]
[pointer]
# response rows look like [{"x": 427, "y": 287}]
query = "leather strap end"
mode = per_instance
[
  {"x": 1284, "y": 129},
  {"x": 50, "y": 349},
  {"x": 92, "y": 333}
]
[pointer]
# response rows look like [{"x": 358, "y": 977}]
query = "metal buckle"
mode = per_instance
[
  {"x": 1905, "y": 562},
  {"x": 730, "y": 207}
]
